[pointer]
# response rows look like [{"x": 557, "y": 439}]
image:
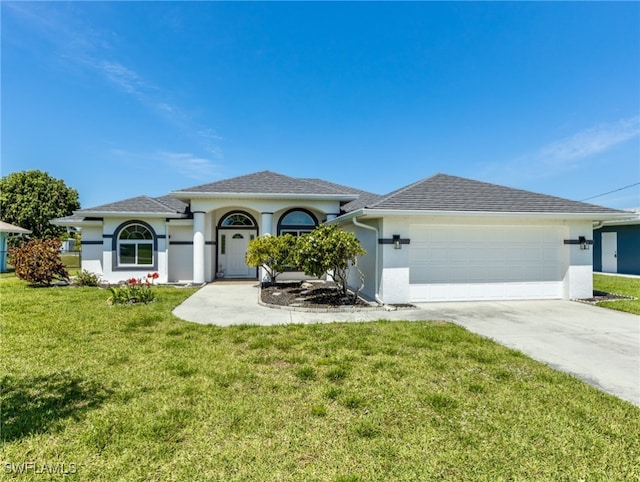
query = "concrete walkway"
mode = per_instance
[{"x": 599, "y": 346}]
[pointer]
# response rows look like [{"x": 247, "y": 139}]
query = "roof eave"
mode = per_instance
[
  {"x": 621, "y": 222},
  {"x": 499, "y": 214},
  {"x": 111, "y": 214},
  {"x": 76, "y": 222},
  {"x": 242, "y": 195}
]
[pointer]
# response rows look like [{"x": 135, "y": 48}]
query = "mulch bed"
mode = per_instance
[
  {"x": 307, "y": 295},
  {"x": 604, "y": 296}
]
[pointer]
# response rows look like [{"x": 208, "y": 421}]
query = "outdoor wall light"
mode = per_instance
[
  {"x": 396, "y": 241},
  {"x": 583, "y": 242}
]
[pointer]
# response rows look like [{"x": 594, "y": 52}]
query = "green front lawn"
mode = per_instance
[
  {"x": 132, "y": 393},
  {"x": 621, "y": 286}
]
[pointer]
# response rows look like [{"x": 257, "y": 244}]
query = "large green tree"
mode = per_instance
[{"x": 30, "y": 199}]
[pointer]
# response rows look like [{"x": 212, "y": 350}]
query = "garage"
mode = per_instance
[{"x": 486, "y": 262}]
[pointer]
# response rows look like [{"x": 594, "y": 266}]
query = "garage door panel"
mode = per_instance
[{"x": 480, "y": 262}]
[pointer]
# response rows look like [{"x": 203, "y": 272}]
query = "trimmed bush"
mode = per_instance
[
  {"x": 273, "y": 253},
  {"x": 329, "y": 249}
]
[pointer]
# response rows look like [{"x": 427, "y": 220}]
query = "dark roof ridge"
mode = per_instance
[
  {"x": 350, "y": 189},
  {"x": 173, "y": 204},
  {"x": 265, "y": 182}
]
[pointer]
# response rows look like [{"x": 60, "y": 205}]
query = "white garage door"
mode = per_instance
[{"x": 486, "y": 262}]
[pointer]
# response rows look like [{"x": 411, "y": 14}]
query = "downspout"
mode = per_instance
[{"x": 375, "y": 280}]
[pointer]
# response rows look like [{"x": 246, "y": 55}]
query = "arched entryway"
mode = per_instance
[{"x": 235, "y": 231}]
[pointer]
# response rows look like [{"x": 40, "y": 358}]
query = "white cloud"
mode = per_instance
[
  {"x": 121, "y": 76},
  {"x": 210, "y": 140},
  {"x": 565, "y": 153},
  {"x": 83, "y": 48},
  {"x": 188, "y": 165},
  {"x": 183, "y": 163}
]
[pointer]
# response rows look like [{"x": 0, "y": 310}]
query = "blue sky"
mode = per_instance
[{"x": 122, "y": 99}]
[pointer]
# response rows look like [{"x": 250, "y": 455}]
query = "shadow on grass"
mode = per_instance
[{"x": 33, "y": 405}]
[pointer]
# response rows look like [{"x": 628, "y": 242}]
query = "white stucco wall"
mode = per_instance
[
  {"x": 366, "y": 263},
  {"x": 571, "y": 277},
  {"x": 113, "y": 274},
  {"x": 180, "y": 256},
  {"x": 578, "y": 280},
  {"x": 91, "y": 251},
  {"x": 394, "y": 284}
]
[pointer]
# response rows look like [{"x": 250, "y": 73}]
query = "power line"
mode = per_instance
[{"x": 610, "y": 192}]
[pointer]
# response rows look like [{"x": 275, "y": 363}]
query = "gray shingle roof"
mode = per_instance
[
  {"x": 140, "y": 204},
  {"x": 68, "y": 219},
  {"x": 341, "y": 188},
  {"x": 450, "y": 193},
  {"x": 267, "y": 182}
]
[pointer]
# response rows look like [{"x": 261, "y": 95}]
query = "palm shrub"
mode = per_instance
[
  {"x": 329, "y": 248},
  {"x": 273, "y": 253},
  {"x": 38, "y": 262}
]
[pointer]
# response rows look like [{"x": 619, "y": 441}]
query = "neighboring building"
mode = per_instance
[
  {"x": 5, "y": 230},
  {"x": 442, "y": 238},
  {"x": 616, "y": 246}
]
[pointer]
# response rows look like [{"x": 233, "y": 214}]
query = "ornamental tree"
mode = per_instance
[
  {"x": 30, "y": 199},
  {"x": 329, "y": 248},
  {"x": 38, "y": 262},
  {"x": 273, "y": 253}
]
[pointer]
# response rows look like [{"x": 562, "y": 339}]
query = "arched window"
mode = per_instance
[
  {"x": 237, "y": 220},
  {"x": 135, "y": 246},
  {"x": 297, "y": 222}
]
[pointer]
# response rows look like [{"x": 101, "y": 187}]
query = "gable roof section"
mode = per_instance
[
  {"x": 163, "y": 206},
  {"x": 446, "y": 193},
  {"x": 142, "y": 204},
  {"x": 267, "y": 182},
  {"x": 12, "y": 228}
]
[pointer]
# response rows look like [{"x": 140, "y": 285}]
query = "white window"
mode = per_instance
[
  {"x": 237, "y": 219},
  {"x": 297, "y": 222},
  {"x": 135, "y": 246}
]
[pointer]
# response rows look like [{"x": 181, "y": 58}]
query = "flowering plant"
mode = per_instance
[{"x": 134, "y": 290}]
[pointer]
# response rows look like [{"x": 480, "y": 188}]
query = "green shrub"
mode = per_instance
[
  {"x": 134, "y": 290},
  {"x": 38, "y": 262},
  {"x": 86, "y": 278},
  {"x": 329, "y": 248},
  {"x": 273, "y": 253}
]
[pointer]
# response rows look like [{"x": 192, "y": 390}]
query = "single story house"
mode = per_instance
[
  {"x": 5, "y": 230},
  {"x": 616, "y": 245},
  {"x": 442, "y": 238}
]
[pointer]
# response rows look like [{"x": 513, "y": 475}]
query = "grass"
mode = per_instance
[
  {"x": 132, "y": 393},
  {"x": 619, "y": 285},
  {"x": 71, "y": 260}
]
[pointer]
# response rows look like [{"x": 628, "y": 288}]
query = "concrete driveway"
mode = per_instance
[{"x": 597, "y": 345}]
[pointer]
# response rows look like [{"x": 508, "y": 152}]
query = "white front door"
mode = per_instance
[
  {"x": 609, "y": 252},
  {"x": 233, "y": 249}
]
